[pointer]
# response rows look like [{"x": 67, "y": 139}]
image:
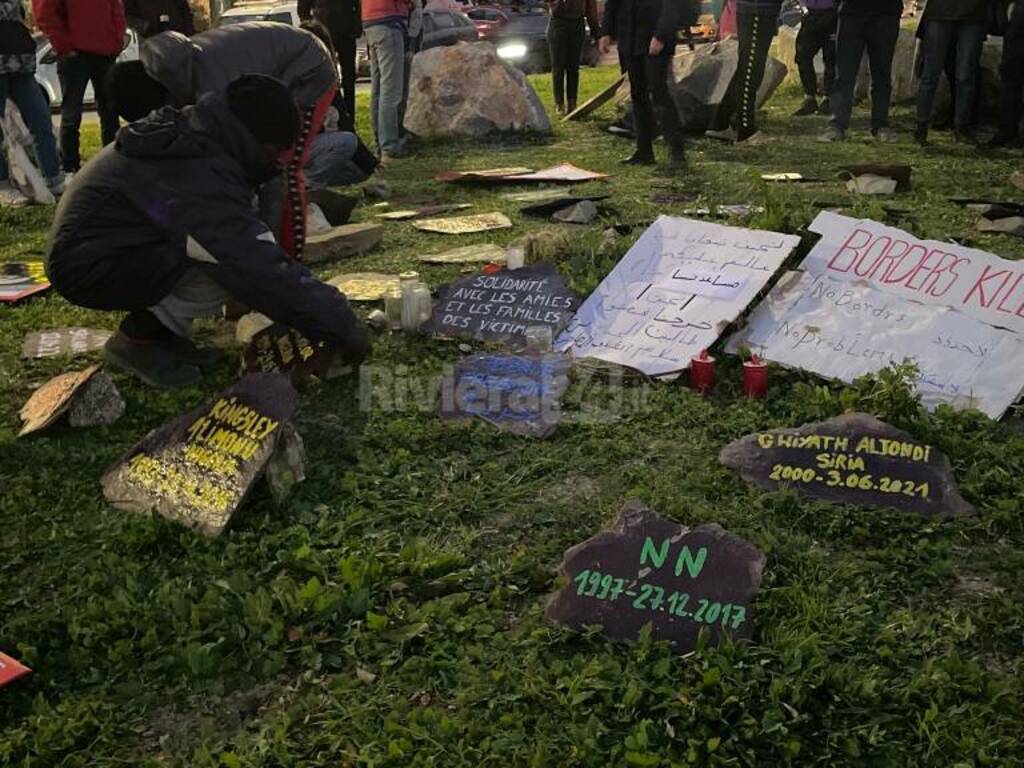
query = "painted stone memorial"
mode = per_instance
[
  {"x": 501, "y": 306},
  {"x": 364, "y": 286},
  {"x": 851, "y": 459},
  {"x": 279, "y": 349},
  {"x": 63, "y": 341},
  {"x": 199, "y": 468},
  {"x": 518, "y": 394},
  {"x": 647, "y": 570},
  {"x": 11, "y": 670}
]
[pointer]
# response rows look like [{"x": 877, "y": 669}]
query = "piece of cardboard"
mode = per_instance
[
  {"x": 480, "y": 253},
  {"x": 52, "y": 399},
  {"x": 364, "y": 286},
  {"x": 465, "y": 225},
  {"x": 21, "y": 279},
  {"x": 418, "y": 213},
  {"x": 595, "y": 102}
]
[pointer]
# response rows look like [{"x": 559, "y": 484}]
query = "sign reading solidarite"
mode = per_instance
[
  {"x": 673, "y": 293},
  {"x": 851, "y": 459},
  {"x": 977, "y": 283},
  {"x": 647, "y": 570}
]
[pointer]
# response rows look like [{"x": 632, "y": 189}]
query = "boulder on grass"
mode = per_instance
[{"x": 466, "y": 90}]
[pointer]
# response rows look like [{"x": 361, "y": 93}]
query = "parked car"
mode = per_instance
[
  {"x": 487, "y": 20},
  {"x": 46, "y": 68},
  {"x": 447, "y": 28},
  {"x": 523, "y": 42}
]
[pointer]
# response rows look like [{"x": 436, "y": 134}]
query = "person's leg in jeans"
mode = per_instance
[
  {"x": 881, "y": 46},
  {"x": 406, "y": 81},
  {"x": 668, "y": 118},
  {"x": 850, "y": 46},
  {"x": 753, "y": 68},
  {"x": 575, "y": 36},
  {"x": 74, "y": 77},
  {"x": 346, "y": 48},
  {"x": 24, "y": 91},
  {"x": 109, "y": 123},
  {"x": 938, "y": 35},
  {"x": 643, "y": 114},
  {"x": 330, "y": 162},
  {"x": 969, "y": 40},
  {"x": 387, "y": 62}
]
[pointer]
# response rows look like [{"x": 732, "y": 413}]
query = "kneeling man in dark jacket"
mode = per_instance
[{"x": 161, "y": 223}]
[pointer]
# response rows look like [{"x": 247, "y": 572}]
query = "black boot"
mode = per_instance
[
  {"x": 921, "y": 134},
  {"x": 809, "y": 107},
  {"x": 825, "y": 108},
  {"x": 640, "y": 157}
]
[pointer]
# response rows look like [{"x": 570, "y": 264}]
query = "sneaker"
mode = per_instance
[
  {"x": 809, "y": 107},
  {"x": 639, "y": 158},
  {"x": 885, "y": 134},
  {"x": 755, "y": 139},
  {"x": 727, "y": 134},
  {"x": 832, "y": 135},
  {"x": 190, "y": 354},
  {"x": 825, "y": 108},
  {"x": 11, "y": 196},
  {"x": 152, "y": 361},
  {"x": 58, "y": 184}
]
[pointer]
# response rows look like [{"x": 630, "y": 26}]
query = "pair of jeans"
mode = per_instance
[
  {"x": 755, "y": 32},
  {"x": 939, "y": 38},
  {"x": 878, "y": 36},
  {"x": 648, "y": 89},
  {"x": 565, "y": 39},
  {"x": 76, "y": 72},
  {"x": 331, "y": 163},
  {"x": 386, "y": 46},
  {"x": 22, "y": 89},
  {"x": 196, "y": 294},
  {"x": 817, "y": 33},
  {"x": 1011, "y": 70}
]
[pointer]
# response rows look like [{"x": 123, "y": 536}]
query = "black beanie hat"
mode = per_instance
[{"x": 266, "y": 107}]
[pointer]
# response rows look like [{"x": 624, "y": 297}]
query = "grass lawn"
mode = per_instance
[{"x": 391, "y": 612}]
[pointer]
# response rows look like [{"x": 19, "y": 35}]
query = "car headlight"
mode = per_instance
[{"x": 512, "y": 51}]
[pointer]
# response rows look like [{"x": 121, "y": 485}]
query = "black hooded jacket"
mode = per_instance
[
  {"x": 175, "y": 191},
  {"x": 632, "y": 23}
]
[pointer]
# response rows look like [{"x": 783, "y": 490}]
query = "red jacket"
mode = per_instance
[
  {"x": 82, "y": 26},
  {"x": 375, "y": 11}
]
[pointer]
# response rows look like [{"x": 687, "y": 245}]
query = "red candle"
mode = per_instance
[
  {"x": 755, "y": 378},
  {"x": 702, "y": 372}
]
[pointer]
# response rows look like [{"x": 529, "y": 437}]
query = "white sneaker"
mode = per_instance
[
  {"x": 10, "y": 196},
  {"x": 886, "y": 135},
  {"x": 832, "y": 135}
]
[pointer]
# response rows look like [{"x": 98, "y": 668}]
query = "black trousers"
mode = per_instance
[
  {"x": 1012, "y": 72},
  {"x": 755, "y": 33},
  {"x": 565, "y": 39},
  {"x": 75, "y": 73},
  {"x": 817, "y": 33},
  {"x": 346, "y": 48},
  {"x": 648, "y": 89}
]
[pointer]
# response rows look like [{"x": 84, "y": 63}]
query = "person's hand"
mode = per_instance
[
  {"x": 604, "y": 45},
  {"x": 656, "y": 47}
]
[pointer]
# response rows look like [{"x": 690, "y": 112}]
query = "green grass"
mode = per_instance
[{"x": 390, "y": 613}]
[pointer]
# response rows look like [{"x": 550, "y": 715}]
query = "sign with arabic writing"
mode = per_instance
[
  {"x": 976, "y": 283},
  {"x": 674, "y": 293},
  {"x": 648, "y": 571},
  {"x": 851, "y": 459},
  {"x": 841, "y": 331},
  {"x": 199, "y": 468}
]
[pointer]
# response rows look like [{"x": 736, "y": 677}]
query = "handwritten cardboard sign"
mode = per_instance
[
  {"x": 21, "y": 279},
  {"x": 280, "y": 349},
  {"x": 977, "y": 283},
  {"x": 841, "y": 330},
  {"x": 647, "y": 570},
  {"x": 199, "y": 468},
  {"x": 11, "y": 670},
  {"x": 52, "y": 400},
  {"x": 63, "y": 341},
  {"x": 851, "y": 459},
  {"x": 502, "y": 305},
  {"x": 674, "y": 293},
  {"x": 517, "y": 394}
]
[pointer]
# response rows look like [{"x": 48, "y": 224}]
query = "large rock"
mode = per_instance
[
  {"x": 466, "y": 90},
  {"x": 702, "y": 78}
]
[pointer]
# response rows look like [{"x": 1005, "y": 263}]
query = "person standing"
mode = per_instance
[
  {"x": 413, "y": 44},
  {"x": 567, "y": 31},
  {"x": 817, "y": 33},
  {"x": 18, "y": 84},
  {"x": 1011, "y": 71},
  {"x": 757, "y": 22},
  {"x": 646, "y": 32},
  {"x": 949, "y": 23},
  {"x": 151, "y": 17},
  {"x": 87, "y": 36},
  {"x": 874, "y": 26},
  {"x": 343, "y": 19},
  {"x": 386, "y": 23}
]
